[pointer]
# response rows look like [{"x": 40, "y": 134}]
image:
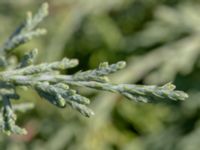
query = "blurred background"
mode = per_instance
[{"x": 159, "y": 39}]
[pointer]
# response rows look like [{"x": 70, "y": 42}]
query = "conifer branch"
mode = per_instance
[{"x": 50, "y": 84}]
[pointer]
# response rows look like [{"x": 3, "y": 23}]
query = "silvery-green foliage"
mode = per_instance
[{"x": 57, "y": 88}]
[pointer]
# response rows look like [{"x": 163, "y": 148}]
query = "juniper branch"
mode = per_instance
[
  {"x": 26, "y": 31},
  {"x": 57, "y": 88}
]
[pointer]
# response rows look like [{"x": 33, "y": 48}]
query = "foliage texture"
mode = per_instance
[{"x": 48, "y": 80}]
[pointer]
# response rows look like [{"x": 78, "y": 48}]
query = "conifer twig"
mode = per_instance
[{"x": 49, "y": 82}]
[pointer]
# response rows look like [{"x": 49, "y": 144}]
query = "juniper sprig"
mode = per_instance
[{"x": 51, "y": 84}]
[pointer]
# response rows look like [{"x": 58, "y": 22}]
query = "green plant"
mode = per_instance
[{"x": 52, "y": 85}]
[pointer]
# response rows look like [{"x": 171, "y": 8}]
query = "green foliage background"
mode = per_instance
[{"x": 160, "y": 40}]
